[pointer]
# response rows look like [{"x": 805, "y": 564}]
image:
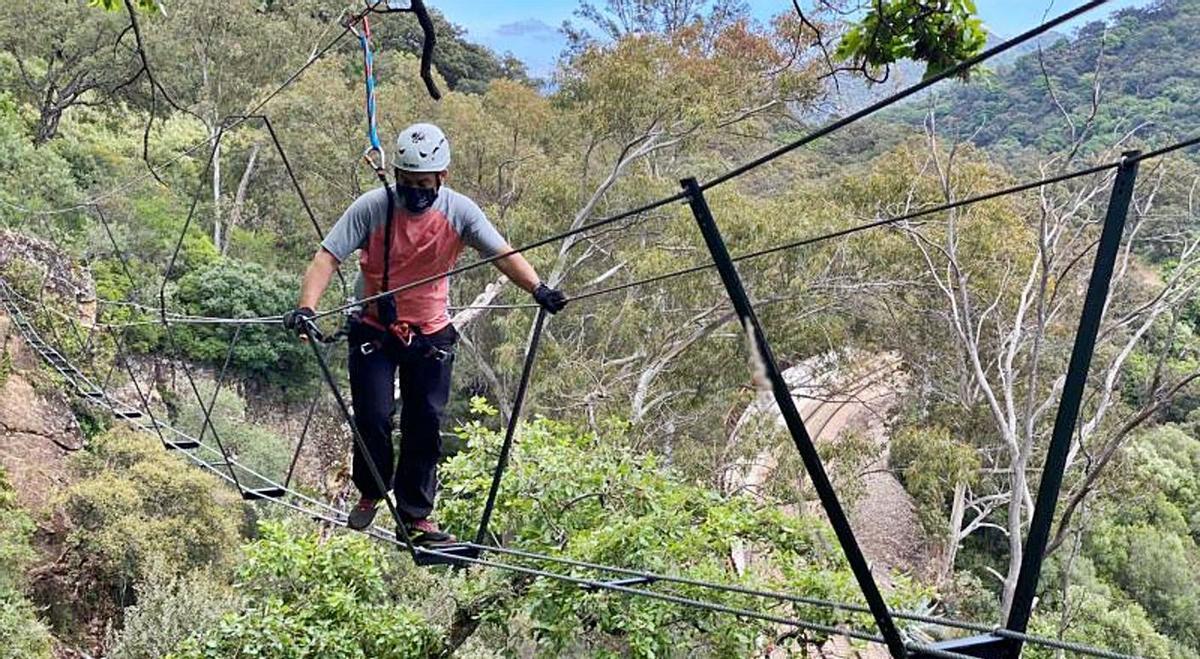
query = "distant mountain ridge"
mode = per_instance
[
  {"x": 849, "y": 94},
  {"x": 1146, "y": 59}
]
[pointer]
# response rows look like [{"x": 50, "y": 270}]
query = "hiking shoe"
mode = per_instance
[
  {"x": 363, "y": 514},
  {"x": 425, "y": 532}
]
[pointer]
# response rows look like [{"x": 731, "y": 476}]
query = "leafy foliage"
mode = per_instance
[
  {"x": 591, "y": 499},
  {"x": 148, "y": 6},
  {"x": 255, "y": 446},
  {"x": 171, "y": 609},
  {"x": 1097, "y": 614},
  {"x": 1024, "y": 106},
  {"x": 21, "y": 633},
  {"x": 33, "y": 179},
  {"x": 669, "y": 89},
  {"x": 308, "y": 597},
  {"x": 1146, "y": 545},
  {"x": 931, "y": 464},
  {"x": 232, "y": 289},
  {"x": 940, "y": 33},
  {"x": 137, "y": 510},
  {"x": 22, "y": 636}
]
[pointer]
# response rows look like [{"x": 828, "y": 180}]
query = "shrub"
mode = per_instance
[
  {"x": 255, "y": 446},
  {"x": 170, "y": 609},
  {"x": 230, "y": 289},
  {"x": 931, "y": 463},
  {"x": 306, "y": 597},
  {"x": 22, "y": 635},
  {"x": 137, "y": 510}
]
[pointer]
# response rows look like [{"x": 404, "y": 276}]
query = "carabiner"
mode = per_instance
[{"x": 377, "y": 159}]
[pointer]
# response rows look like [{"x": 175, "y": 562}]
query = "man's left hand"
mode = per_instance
[{"x": 551, "y": 299}]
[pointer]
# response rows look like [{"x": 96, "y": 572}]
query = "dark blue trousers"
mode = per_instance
[{"x": 424, "y": 369}]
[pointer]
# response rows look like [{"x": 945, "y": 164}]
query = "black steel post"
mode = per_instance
[
  {"x": 795, "y": 424},
  {"x": 1072, "y": 396},
  {"x": 535, "y": 335}
]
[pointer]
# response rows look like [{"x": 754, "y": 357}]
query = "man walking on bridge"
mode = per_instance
[{"x": 412, "y": 232}]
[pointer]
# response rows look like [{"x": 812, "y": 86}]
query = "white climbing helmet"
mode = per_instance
[{"x": 422, "y": 148}]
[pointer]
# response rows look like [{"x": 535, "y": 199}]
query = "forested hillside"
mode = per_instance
[
  {"x": 1132, "y": 75},
  {"x": 154, "y": 235}
]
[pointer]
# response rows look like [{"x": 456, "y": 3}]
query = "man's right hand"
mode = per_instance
[{"x": 299, "y": 320}]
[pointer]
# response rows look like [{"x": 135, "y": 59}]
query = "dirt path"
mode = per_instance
[{"x": 837, "y": 397}]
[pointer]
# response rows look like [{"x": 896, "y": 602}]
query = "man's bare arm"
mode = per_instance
[
  {"x": 518, "y": 270},
  {"x": 316, "y": 278}
]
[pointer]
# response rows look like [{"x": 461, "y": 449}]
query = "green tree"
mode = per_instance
[
  {"x": 61, "y": 57},
  {"x": 34, "y": 179},
  {"x": 232, "y": 289}
]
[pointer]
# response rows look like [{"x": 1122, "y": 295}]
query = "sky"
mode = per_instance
[{"x": 529, "y": 28}]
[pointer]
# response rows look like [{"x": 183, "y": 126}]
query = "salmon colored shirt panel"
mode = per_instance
[{"x": 422, "y": 246}]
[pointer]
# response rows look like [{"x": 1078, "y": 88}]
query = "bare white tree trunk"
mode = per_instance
[
  {"x": 216, "y": 192},
  {"x": 239, "y": 200}
]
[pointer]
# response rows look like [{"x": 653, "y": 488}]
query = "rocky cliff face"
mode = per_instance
[{"x": 37, "y": 427}]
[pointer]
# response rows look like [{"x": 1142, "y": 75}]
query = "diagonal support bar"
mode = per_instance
[
  {"x": 1072, "y": 396},
  {"x": 795, "y": 424},
  {"x": 535, "y": 335}
]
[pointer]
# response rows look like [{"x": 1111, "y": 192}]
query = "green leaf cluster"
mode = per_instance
[
  {"x": 941, "y": 33},
  {"x": 136, "y": 509},
  {"x": 590, "y": 498}
]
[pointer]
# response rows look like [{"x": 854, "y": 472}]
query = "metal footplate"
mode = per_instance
[
  {"x": 986, "y": 646},
  {"x": 446, "y": 554},
  {"x": 263, "y": 493}
]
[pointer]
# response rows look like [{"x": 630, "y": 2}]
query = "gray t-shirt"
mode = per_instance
[
  {"x": 368, "y": 213},
  {"x": 421, "y": 248}
]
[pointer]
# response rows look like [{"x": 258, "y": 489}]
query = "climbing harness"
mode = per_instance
[{"x": 401, "y": 334}]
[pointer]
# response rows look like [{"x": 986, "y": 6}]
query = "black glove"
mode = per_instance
[
  {"x": 299, "y": 320},
  {"x": 551, "y": 299}
]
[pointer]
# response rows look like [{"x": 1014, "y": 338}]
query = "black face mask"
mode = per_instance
[{"x": 416, "y": 200}]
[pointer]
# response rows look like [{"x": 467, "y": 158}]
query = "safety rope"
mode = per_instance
[{"x": 374, "y": 153}]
